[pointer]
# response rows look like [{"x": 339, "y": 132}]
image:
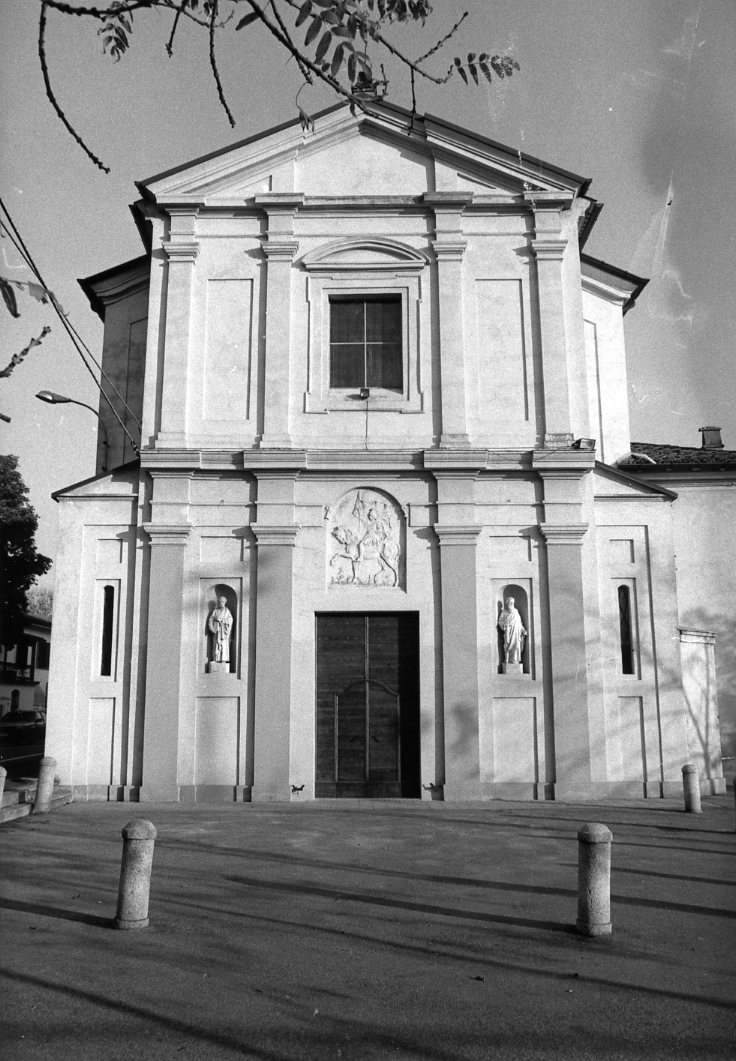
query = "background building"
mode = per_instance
[{"x": 373, "y": 369}]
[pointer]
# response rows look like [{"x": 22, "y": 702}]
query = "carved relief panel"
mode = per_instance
[{"x": 366, "y": 540}]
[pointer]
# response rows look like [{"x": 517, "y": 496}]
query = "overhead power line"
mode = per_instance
[{"x": 81, "y": 347}]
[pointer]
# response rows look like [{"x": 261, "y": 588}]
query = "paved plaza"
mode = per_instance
[{"x": 369, "y": 930}]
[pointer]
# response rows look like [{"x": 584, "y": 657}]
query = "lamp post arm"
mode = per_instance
[{"x": 103, "y": 425}]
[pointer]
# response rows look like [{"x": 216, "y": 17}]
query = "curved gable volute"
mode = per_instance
[{"x": 364, "y": 254}]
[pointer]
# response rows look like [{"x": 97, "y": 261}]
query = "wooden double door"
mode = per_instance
[{"x": 367, "y": 705}]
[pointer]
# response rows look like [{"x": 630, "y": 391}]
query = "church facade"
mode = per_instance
[{"x": 375, "y": 543}]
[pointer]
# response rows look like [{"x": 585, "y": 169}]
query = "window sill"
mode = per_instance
[{"x": 348, "y": 401}]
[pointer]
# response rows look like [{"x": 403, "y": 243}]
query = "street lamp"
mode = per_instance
[{"x": 61, "y": 399}]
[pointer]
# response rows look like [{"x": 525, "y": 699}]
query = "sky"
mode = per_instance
[{"x": 638, "y": 95}]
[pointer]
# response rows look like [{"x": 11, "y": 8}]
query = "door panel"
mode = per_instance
[{"x": 367, "y": 724}]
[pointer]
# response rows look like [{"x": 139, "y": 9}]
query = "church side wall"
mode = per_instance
[{"x": 89, "y": 717}]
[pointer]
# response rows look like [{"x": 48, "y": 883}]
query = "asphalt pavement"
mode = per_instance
[{"x": 369, "y": 930}]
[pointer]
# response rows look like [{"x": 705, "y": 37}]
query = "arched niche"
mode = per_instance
[
  {"x": 521, "y": 604},
  {"x": 366, "y": 539},
  {"x": 220, "y": 630}
]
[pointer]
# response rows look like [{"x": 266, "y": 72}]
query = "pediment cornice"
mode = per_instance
[{"x": 235, "y": 175}]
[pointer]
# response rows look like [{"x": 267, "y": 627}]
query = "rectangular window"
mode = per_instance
[{"x": 365, "y": 342}]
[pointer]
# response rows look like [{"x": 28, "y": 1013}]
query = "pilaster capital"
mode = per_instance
[
  {"x": 563, "y": 533},
  {"x": 167, "y": 533},
  {"x": 275, "y": 535},
  {"x": 548, "y": 250},
  {"x": 457, "y": 534},
  {"x": 449, "y": 250},
  {"x": 280, "y": 250},
  {"x": 184, "y": 251}
]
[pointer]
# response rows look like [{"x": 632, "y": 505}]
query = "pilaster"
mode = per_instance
[
  {"x": 160, "y": 780},
  {"x": 449, "y": 247},
  {"x": 275, "y": 534},
  {"x": 279, "y": 248},
  {"x": 548, "y": 248},
  {"x": 181, "y": 250},
  {"x": 458, "y": 566},
  {"x": 573, "y": 768}
]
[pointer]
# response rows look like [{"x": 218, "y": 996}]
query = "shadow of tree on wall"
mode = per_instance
[{"x": 722, "y": 695}]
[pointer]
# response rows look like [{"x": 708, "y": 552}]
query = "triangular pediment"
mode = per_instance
[
  {"x": 613, "y": 484},
  {"x": 121, "y": 484},
  {"x": 379, "y": 154}
]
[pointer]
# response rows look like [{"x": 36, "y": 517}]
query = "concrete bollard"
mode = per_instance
[
  {"x": 45, "y": 786},
  {"x": 3, "y": 775},
  {"x": 594, "y": 880},
  {"x": 691, "y": 788},
  {"x": 135, "y": 874}
]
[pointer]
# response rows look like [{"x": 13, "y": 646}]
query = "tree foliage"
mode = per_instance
[
  {"x": 21, "y": 563},
  {"x": 41, "y": 602},
  {"x": 338, "y": 42}
]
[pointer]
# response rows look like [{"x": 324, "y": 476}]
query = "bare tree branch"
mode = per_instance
[
  {"x": 213, "y": 64},
  {"x": 50, "y": 92}
]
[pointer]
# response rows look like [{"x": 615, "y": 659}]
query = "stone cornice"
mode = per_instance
[
  {"x": 448, "y": 200},
  {"x": 454, "y": 460},
  {"x": 279, "y": 202},
  {"x": 569, "y": 462},
  {"x": 563, "y": 533},
  {"x": 167, "y": 533},
  {"x": 553, "y": 200},
  {"x": 698, "y": 637},
  {"x": 274, "y": 459},
  {"x": 597, "y": 287}
]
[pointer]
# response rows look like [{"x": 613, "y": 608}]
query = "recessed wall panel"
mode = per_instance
[
  {"x": 216, "y": 740},
  {"x": 227, "y": 350},
  {"x": 101, "y": 723},
  {"x": 514, "y": 740},
  {"x": 501, "y": 353},
  {"x": 625, "y": 740}
]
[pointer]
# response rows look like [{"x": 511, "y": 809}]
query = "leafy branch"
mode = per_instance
[{"x": 331, "y": 41}]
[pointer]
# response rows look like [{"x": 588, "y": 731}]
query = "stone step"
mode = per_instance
[{"x": 19, "y": 802}]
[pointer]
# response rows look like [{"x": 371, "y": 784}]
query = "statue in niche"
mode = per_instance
[
  {"x": 514, "y": 635},
  {"x": 366, "y": 545},
  {"x": 220, "y": 624}
]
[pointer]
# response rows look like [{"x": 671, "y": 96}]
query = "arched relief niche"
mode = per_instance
[
  {"x": 220, "y": 629},
  {"x": 513, "y": 629},
  {"x": 366, "y": 540}
]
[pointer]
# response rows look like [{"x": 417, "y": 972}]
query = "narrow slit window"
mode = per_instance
[
  {"x": 625, "y": 630},
  {"x": 108, "y": 611}
]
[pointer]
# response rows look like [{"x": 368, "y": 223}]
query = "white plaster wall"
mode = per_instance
[
  {"x": 704, "y": 519},
  {"x": 607, "y": 384},
  {"x": 88, "y": 714},
  {"x": 661, "y": 747}
]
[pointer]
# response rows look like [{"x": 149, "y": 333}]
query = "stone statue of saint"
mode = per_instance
[
  {"x": 220, "y": 624},
  {"x": 514, "y": 634}
]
